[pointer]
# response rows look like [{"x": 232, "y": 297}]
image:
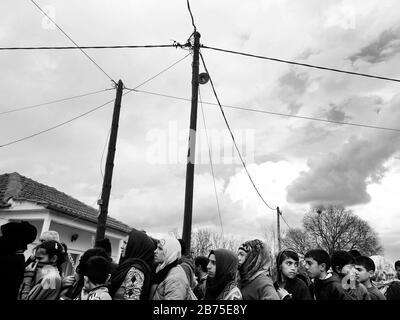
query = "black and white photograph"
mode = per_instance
[{"x": 214, "y": 151}]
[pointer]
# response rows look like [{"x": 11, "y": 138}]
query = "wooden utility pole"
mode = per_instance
[
  {"x": 105, "y": 193},
  {"x": 278, "y": 213},
  {"x": 187, "y": 219}
]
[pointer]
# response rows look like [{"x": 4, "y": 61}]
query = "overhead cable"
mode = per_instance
[
  {"x": 301, "y": 64},
  {"x": 51, "y": 102},
  {"x": 275, "y": 113},
  {"x": 71, "y": 40},
  {"x": 233, "y": 138}
]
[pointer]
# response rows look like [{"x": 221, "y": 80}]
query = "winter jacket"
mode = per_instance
[
  {"x": 42, "y": 284},
  {"x": 375, "y": 294},
  {"x": 360, "y": 292},
  {"x": 330, "y": 289},
  {"x": 99, "y": 293},
  {"x": 297, "y": 289},
  {"x": 393, "y": 292},
  {"x": 175, "y": 286},
  {"x": 259, "y": 287}
]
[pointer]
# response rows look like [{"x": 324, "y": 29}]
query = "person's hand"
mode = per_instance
[
  {"x": 68, "y": 281},
  {"x": 32, "y": 266},
  {"x": 282, "y": 293}
]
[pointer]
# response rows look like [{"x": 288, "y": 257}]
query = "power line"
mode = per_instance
[
  {"x": 191, "y": 16},
  {"x": 233, "y": 138},
  {"x": 161, "y": 72},
  {"x": 176, "y": 45},
  {"x": 274, "y": 113},
  {"x": 56, "y": 126},
  {"x": 71, "y": 40},
  {"x": 302, "y": 64},
  {"x": 51, "y": 102},
  {"x": 285, "y": 221},
  {"x": 211, "y": 165},
  {"x": 92, "y": 110}
]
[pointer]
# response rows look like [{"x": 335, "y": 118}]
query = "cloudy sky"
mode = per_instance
[{"x": 295, "y": 163}]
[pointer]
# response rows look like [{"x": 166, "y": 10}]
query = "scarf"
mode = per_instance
[
  {"x": 256, "y": 259},
  {"x": 225, "y": 274},
  {"x": 172, "y": 251},
  {"x": 162, "y": 274}
]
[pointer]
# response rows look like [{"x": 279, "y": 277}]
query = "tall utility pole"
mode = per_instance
[
  {"x": 105, "y": 193},
  {"x": 278, "y": 213},
  {"x": 187, "y": 219}
]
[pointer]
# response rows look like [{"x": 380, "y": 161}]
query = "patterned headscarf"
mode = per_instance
[{"x": 257, "y": 258}]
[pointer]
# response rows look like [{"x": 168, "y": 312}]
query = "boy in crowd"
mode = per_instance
[
  {"x": 201, "y": 274},
  {"x": 365, "y": 269},
  {"x": 343, "y": 266},
  {"x": 98, "y": 273},
  {"x": 325, "y": 286}
]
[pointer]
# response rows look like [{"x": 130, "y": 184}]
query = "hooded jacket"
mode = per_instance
[
  {"x": 99, "y": 293},
  {"x": 330, "y": 288},
  {"x": 297, "y": 288}
]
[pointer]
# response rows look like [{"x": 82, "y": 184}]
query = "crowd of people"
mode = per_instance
[{"x": 161, "y": 269}]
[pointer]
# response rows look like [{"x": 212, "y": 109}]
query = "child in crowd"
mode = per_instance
[
  {"x": 98, "y": 273},
  {"x": 73, "y": 286},
  {"x": 42, "y": 280},
  {"x": 325, "y": 286},
  {"x": 365, "y": 269},
  {"x": 343, "y": 267},
  {"x": 288, "y": 285},
  {"x": 201, "y": 263}
]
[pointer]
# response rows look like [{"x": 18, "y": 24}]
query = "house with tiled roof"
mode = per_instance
[{"x": 47, "y": 208}]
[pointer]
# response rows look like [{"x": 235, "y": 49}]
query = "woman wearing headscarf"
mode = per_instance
[
  {"x": 255, "y": 281},
  {"x": 170, "y": 281},
  {"x": 131, "y": 280},
  {"x": 221, "y": 276}
]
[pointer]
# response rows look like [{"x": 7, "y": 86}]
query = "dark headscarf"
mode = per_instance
[
  {"x": 139, "y": 252},
  {"x": 256, "y": 259},
  {"x": 225, "y": 273}
]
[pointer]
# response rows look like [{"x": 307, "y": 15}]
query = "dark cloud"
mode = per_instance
[
  {"x": 342, "y": 177},
  {"x": 383, "y": 48},
  {"x": 294, "y": 82},
  {"x": 292, "y": 86},
  {"x": 294, "y": 107},
  {"x": 335, "y": 113}
]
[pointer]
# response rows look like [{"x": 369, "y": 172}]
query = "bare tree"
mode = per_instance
[
  {"x": 333, "y": 228},
  {"x": 204, "y": 240},
  {"x": 297, "y": 240}
]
